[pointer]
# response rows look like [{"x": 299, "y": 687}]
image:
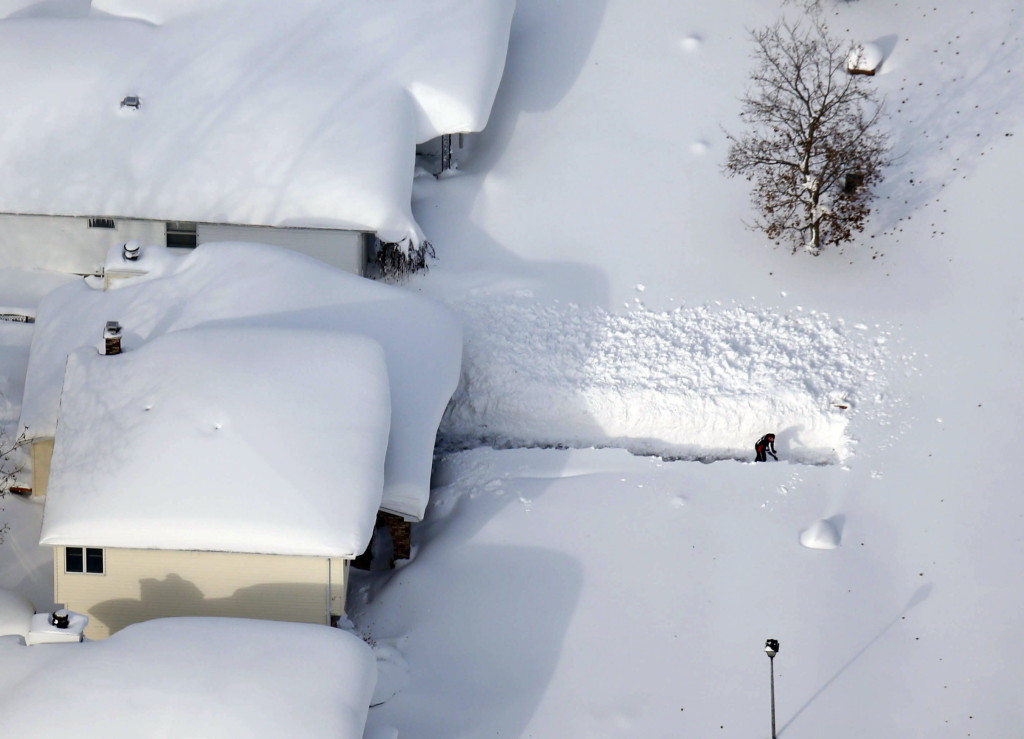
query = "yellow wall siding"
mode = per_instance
[
  {"x": 42, "y": 453},
  {"x": 142, "y": 584}
]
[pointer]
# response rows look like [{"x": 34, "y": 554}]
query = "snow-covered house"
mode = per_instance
[
  {"x": 226, "y": 289},
  {"x": 253, "y": 285},
  {"x": 216, "y": 472},
  {"x": 181, "y": 122}
]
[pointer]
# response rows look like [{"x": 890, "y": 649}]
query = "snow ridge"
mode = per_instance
[{"x": 696, "y": 382}]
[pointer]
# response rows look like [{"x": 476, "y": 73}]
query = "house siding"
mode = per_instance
[
  {"x": 143, "y": 584},
  {"x": 42, "y": 453},
  {"x": 68, "y": 244},
  {"x": 341, "y": 249}
]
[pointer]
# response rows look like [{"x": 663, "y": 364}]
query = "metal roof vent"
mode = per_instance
[
  {"x": 130, "y": 251},
  {"x": 60, "y": 618},
  {"x": 131, "y": 101}
]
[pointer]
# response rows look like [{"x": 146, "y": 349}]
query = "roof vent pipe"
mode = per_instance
[
  {"x": 60, "y": 618},
  {"x": 112, "y": 338},
  {"x": 130, "y": 251}
]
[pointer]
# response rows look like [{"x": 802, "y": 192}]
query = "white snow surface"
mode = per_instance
[
  {"x": 697, "y": 382},
  {"x": 304, "y": 113},
  {"x": 550, "y": 594},
  {"x": 15, "y": 614},
  {"x": 194, "y": 677},
  {"x": 597, "y": 607},
  {"x": 217, "y": 439},
  {"x": 248, "y": 285}
]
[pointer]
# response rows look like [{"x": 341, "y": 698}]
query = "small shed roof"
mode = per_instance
[
  {"x": 222, "y": 439},
  {"x": 298, "y": 113}
]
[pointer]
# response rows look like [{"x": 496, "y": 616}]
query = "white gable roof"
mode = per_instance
[
  {"x": 298, "y": 113},
  {"x": 222, "y": 439},
  {"x": 250, "y": 285}
]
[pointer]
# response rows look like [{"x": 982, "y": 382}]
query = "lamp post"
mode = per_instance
[{"x": 771, "y": 648}]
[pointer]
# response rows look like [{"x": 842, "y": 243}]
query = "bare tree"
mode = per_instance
[
  {"x": 9, "y": 470},
  {"x": 813, "y": 148}
]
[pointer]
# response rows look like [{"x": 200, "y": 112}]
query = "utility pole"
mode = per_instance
[{"x": 771, "y": 648}]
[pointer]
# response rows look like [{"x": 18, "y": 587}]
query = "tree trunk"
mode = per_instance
[{"x": 815, "y": 221}]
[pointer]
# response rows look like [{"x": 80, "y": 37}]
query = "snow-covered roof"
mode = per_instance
[
  {"x": 299, "y": 113},
  {"x": 263, "y": 440},
  {"x": 193, "y": 677},
  {"x": 245, "y": 285}
]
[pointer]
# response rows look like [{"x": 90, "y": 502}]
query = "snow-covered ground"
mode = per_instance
[{"x": 611, "y": 296}]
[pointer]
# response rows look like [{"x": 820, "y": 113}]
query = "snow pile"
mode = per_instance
[
  {"x": 193, "y": 440},
  {"x": 822, "y": 534},
  {"x": 196, "y": 677},
  {"x": 248, "y": 285},
  {"x": 303, "y": 113},
  {"x": 700, "y": 382}
]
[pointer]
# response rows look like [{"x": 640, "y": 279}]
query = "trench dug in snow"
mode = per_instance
[{"x": 700, "y": 383}]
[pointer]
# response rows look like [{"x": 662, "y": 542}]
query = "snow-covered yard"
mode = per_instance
[{"x": 611, "y": 297}]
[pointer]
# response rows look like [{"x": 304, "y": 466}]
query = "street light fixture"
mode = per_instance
[{"x": 771, "y": 648}]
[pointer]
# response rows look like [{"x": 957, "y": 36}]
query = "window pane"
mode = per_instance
[
  {"x": 94, "y": 561},
  {"x": 73, "y": 559},
  {"x": 181, "y": 234}
]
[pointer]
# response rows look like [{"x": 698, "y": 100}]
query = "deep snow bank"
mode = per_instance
[
  {"x": 696, "y": 382},
  {"x": 197, "y": 677}
]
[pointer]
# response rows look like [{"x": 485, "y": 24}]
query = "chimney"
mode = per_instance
[{"x": 112, "y": 338}]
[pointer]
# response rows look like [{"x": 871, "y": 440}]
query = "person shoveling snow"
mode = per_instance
[{"x": 766, "y": 444}]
